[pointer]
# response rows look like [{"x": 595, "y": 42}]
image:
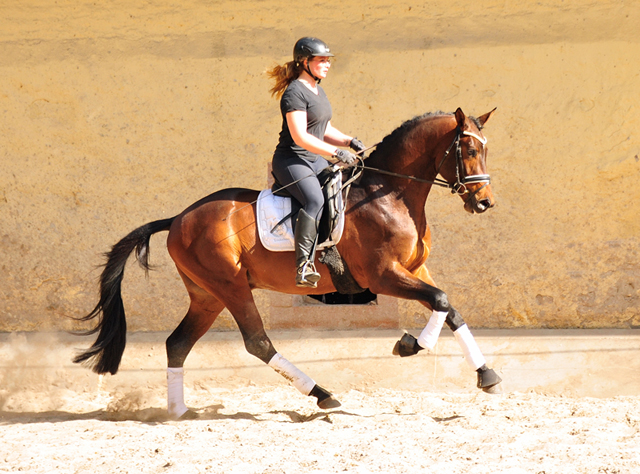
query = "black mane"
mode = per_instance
[{"x": 394, "y": 138}]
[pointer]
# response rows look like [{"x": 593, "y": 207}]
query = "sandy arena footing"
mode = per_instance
[{"x": 583, "y": 363}]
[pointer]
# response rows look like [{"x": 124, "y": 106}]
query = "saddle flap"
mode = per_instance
[{"x": 275, "y": 216}]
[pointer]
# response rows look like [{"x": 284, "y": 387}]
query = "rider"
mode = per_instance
[{"x": 306, "y": 134}]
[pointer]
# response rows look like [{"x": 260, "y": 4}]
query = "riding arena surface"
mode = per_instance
[{"x": 56, "y": 417}]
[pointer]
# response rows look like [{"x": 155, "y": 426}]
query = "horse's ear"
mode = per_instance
[
  {"x": 485, "y": 117},
  {"x": 460, "y": 118}
]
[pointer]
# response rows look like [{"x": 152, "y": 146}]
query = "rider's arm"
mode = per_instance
[
  {"x": 297, "y": 123},
  {"x": 336, "y": 137}
]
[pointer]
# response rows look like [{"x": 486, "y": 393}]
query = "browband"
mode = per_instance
[{"x": 477, "y": 137}]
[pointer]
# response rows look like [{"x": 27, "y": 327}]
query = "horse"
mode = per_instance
[{"x": 385, "y": 243}]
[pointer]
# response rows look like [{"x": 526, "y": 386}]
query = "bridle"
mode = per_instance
[
  {"x": 459, "y": 187},
  {"x": 462, "y": 180}
]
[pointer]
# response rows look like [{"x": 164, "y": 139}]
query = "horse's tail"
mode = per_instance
[{"x": 106, "y": 352}]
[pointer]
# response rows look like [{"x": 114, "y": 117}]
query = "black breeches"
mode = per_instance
[{"x": 307, "y": 191}]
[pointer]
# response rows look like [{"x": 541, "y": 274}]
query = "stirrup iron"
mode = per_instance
[{"x": 307, "y": 276}]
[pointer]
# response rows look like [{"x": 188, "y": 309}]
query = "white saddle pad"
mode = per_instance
[{"x": 272, "y": 209}]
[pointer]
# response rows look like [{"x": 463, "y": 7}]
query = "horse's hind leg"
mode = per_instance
[
  {"x": 242, "y": 306},
  {"x": 203, "y": 311}
]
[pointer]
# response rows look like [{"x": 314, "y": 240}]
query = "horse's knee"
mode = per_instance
[
  {"x": 260, "y": 347},
  {"x": 454, "y": 320},
  {"x": 441, "y": 304},
  {"x": 440, "y": 301}
]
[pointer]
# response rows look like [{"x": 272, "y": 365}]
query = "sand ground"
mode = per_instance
[{"x": 57, "y": 418}]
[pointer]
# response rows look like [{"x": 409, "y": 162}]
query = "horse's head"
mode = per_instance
[{"x": 467, "y": 172}]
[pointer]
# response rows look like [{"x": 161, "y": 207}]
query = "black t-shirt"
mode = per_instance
[{"x": 298, "y": 97}]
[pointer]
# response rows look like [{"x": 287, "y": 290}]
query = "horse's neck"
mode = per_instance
[
  {"x": 414, "y": 151},
  {"x": 413, "y": 155},
  {"x": 404, "y": 168},
  {"x": 393, "y": 195}
]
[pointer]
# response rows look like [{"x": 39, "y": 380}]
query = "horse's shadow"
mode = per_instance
[
  {"x": 147, "y": 415},
  {"x": 155, "y": 416}
]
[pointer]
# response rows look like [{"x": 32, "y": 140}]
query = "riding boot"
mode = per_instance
[{"x": 305, "y": 242}]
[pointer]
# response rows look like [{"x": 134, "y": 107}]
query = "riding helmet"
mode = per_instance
[{"x": 308, "y": 47}]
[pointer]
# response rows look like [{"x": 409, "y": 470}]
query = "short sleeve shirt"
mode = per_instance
[{"x": 298, "y": 97}]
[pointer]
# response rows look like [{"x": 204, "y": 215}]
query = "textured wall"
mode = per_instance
[{"x": 114, "y": 116}]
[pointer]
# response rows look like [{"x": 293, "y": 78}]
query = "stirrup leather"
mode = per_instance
[{"x": 307, "y": 275}]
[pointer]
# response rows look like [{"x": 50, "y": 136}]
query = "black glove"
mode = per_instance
[
  {"x": 345, "y": 156},
  {"x": 356, "y": 145}
]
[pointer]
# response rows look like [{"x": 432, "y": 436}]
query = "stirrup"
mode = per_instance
[{"x": 307, "y": 276}]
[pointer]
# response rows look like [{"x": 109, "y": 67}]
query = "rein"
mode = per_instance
[{"x": 460, "y": 186}]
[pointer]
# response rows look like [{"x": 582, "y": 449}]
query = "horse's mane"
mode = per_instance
[{"x": 392, "y": 140}]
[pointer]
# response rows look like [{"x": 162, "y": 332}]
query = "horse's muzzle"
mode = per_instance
[{"x": 478, "y": 206}]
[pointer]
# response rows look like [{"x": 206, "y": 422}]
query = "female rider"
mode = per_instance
[{"x": 307, "y": 137}]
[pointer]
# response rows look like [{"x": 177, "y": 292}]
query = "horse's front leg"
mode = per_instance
[{"x": 421, "y": 287}]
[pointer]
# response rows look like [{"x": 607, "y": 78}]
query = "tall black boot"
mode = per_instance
[{"x": 305, "y": 242}]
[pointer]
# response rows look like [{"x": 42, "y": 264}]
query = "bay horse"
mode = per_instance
[{"x": 385, "y": 244}]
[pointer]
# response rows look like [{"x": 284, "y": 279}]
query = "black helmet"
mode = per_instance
[{"x": 308, "y": 47}]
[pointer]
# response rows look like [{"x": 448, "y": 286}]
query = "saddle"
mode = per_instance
[{"x": 277, "y": 212}]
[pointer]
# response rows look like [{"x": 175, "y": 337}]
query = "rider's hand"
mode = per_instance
[
  {"x": 356, "y": 145},
  {"x": 345, "y": 156}
]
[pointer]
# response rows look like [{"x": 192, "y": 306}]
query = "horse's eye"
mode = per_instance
[{"x": 472, "y": 152}]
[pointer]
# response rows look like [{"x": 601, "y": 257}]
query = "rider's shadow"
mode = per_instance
[
  {"x": 296, "y": 417},
  {"x": 212, "y": 412}
]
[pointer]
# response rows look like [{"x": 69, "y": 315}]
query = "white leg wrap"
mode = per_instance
[
  {"x": 299, "y": 379},
  {"x": 469, "y": 347},
  {"x": 175, "y": 391},
  {"x": 431, "y": 332}
]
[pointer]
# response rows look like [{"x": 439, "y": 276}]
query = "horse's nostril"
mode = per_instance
[{"x": 484, "y": 204}]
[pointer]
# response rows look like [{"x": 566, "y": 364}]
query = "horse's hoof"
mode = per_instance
[
  {"x": 329, "y": 403},
  {"x": 406, "y": 346},
  {"x": 487, "y": 378},
  {"x": 325, "y": 399},
  {"x": 493, "y": 390},
  {"x": 189, "y": 415}
]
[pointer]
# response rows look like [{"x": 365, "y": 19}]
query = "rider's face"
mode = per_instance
[{"x": 319, "y": 66}]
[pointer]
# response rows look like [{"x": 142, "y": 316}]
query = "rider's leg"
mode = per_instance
[
  {"x": 306, "y": 237},
  {"x": 308, "y": 192}
]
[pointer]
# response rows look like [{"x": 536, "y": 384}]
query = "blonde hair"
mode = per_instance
[{"x": 283, "y": 76}]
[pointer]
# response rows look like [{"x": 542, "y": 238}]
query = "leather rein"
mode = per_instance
[{"x": 460, "y": 186}]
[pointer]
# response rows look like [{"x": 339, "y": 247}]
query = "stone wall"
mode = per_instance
[{"x": 113, "y": 116}]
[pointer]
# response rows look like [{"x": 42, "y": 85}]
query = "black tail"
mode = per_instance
[{"x": 106, "y": 352}]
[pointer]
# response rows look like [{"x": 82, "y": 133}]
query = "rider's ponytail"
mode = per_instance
[{"x": 283, "y": 76}]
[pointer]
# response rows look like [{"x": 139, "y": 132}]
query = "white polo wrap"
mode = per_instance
[
  {"x": 429, "y": 336},
  {"x": 175, "y": 392},
  {"x": 469, "y": 347},
  {"x": 298, "y": 379}
]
